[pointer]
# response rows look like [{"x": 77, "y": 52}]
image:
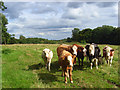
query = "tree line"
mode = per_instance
[{"x": 101, "y": 35}]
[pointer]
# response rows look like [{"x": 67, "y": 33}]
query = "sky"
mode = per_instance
[{"x": 56, "y": 20}]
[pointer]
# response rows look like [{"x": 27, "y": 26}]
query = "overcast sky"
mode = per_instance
[{"x": 56, "y": 20}]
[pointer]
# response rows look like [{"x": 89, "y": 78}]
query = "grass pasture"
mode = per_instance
[{"x": 23, "y": 67}]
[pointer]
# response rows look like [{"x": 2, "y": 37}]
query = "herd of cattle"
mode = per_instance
[{"x": 67, "y": 57}]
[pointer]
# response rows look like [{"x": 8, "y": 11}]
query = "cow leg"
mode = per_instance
[
  {"x": 111, "y": 61},
  {"x": 108, "y": 62},
  {"x": 91, "y": 64},
  {"x": 82, "y": 60},
  {"x": 96, "y": 63},
  {"x": 70, "y": 73},
  {"x": 49, "y": 66},
  {"x": 79, "y": 61},
  {"x": 87, "y": 59},
  {"x": 74, "y": 61},
  {"x": 46, "y": 65},
  {"x": 65, "y": 72}
]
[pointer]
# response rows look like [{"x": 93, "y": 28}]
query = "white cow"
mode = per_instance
[
  {"x": 108, "y": 53},
  {"x": 47, "y": 56}
]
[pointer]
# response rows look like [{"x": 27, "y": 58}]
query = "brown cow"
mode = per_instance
[
  {"x": 66, "y": 60},
  {"x": 80, "y": 53},
  {"x": 72, "y": 49}
]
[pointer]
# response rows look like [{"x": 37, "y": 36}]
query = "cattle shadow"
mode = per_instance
[
  {"x": 35, "y": 66},
  {"x": 55, "y": 67},
  {"x": 84, "y": 67},
  {"x": 47, "y": 78}
]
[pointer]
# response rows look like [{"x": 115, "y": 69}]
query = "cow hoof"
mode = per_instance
[
  {"x": 68, "y": 75},
  {"x": 65, "y": 82},
  {"x": 71, "y": 81}
]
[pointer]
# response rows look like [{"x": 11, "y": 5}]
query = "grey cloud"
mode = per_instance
[
  {"x": 105, "y": 4},
  {"x": 44, "y": 10},
  {"x": 91, "y": 2},
  {"x": 75, "y": 4},
  {"x": 10, "y": 31},
  {"x": 68, "y": 16},
  {"x": 102, "y": 4},
  {"x": 14, "y": 9},
  {"x": 49, "y": 27}
]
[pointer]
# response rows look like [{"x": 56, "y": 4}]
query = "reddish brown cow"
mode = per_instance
[
  {"x": 66, "y": 60},
  {"x": 72, "y": 49},
  {"x": 80, "y": 54}
]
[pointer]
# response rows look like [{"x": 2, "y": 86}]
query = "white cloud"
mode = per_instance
[{"x": 41, "y": 34}]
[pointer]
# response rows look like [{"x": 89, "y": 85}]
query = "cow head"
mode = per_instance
[
  {"x": 111, "y": 52},
  {"x": 85, "y": 52},
  {"x": 46, "y": 52},
  {"x": 69, "y": 58},
  {"x": 91, "y": 50},
  {"x": 108, "y": 51},
  {"x": 74, "y": 49}
]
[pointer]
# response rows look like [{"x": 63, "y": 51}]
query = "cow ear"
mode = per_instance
[{"x": 112, "y": 50}]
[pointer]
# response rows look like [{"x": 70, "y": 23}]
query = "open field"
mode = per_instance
[{"x": 23, "y": 67}]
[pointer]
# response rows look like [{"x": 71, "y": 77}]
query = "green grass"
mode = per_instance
[{"x": 23, "y": 67}]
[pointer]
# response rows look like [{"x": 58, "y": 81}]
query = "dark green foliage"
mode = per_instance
[
  {"x": 115, "y": 36},
  {"x": 75, "y": 34},
  {"x": 24, "y": 40},
  {"x": 69, "y": 39},
  {"x": 100, "y": 35},
  {"x": 85, "y": 35},
  {"x": 6, "y": 51},
  {"x": 83, "y": 42},
  {"x": 5, "y": 35},
  {"x": 2, "y": 6},
  {"x": 3, "y": 28}
]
